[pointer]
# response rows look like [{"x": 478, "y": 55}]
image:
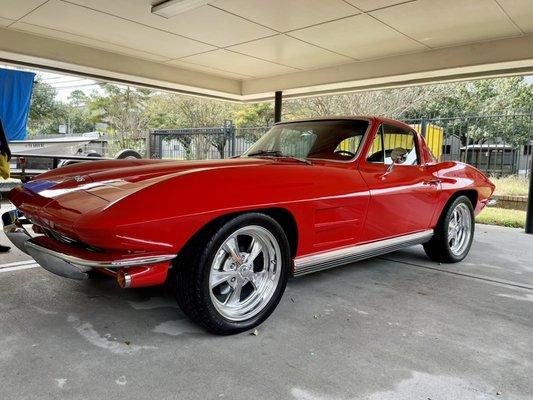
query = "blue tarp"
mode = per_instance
[{"x": 15, "y": 97}]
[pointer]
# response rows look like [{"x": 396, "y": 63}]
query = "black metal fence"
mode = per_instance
[
  {"x": 497, "y": 144},
  {"x": 203, "y": 143}
]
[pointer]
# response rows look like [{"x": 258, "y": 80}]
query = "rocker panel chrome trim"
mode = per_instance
[{"x": 334, "y": 258}]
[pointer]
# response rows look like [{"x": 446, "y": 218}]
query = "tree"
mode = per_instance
[
  {"x": 256, "y": 114},
  {"x": 394, "y": 103},
  {"x": 125, "y": 110},
  {"x": 46, "y": 113},
  {"x": 78, "y": 113},
  {"x": 78, "y": 99},
  {"x": 178, "y": 111},
  {"x": 483, "y": 110}
]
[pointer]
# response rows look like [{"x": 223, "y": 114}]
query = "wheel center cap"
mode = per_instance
[{"x": 244, "y": 270}]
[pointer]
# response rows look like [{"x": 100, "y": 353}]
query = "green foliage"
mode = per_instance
[
  {"x": 480, "y": 97},
  {"x": 488, "y": 97},
  {"x": 257, "y": 114},
  {"x": 124, "y": 110},
  {"x": 393, "y": 103},
  {"x": 502, "y": 217},
  {"x": 177, "y": 111},
  {"x": 46, "y": 113}
]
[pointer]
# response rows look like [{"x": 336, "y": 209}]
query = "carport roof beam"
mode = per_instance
[{"x": 509, "y": 56}]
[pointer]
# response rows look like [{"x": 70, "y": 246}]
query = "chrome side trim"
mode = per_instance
[
  {"x": 130, "y": 262},
  {"x": 334, "y": 258}
]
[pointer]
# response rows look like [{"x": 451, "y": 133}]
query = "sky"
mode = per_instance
[{"x": 66, "y": 84}]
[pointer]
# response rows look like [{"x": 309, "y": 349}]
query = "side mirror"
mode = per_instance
[{"x": 398, "y": 156}]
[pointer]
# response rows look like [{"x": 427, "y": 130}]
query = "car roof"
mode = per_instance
[{"x": 370, "y": 118}]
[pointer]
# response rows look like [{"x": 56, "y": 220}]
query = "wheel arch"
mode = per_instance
[
  {"x": 471, "y": 194},
  {"x": 281, "y": 215}
]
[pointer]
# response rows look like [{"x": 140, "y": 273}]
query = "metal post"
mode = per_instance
[
  {"x": 423, "y": 127},
  {"x": 529, "y": 217},
  {"x": 148, "y": 145},
  {"x": 22, "y": 163},
  {"x": 230, "y": 132},
  {"x": 278, "y": 99}
]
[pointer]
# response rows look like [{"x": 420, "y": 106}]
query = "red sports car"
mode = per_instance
[{"x": 309, "y": 195}]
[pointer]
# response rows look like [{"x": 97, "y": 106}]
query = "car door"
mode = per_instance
[{"x": 403, "y": 194}]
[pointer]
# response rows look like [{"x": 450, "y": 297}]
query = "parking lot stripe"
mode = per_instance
[
  {"x": 17, "y": 266},
  {"x": 17, "y": 263}
]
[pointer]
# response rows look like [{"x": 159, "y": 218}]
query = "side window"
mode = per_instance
[
  {"x": 375, "y": 153},
  {"x": 349, "y": 145},
  {"x": 399, "y": 145}
]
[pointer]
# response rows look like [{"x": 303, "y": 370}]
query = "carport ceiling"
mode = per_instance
[{"x": 247, "y": 49}]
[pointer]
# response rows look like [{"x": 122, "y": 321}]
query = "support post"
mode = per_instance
[
  {"x": 278, "y": 100},
  {"x": 148, "y": 145},
  {"x": 529, "y": 217},
  {"x": 230, "y": 131},
  {"x": 423, "y": 127}
]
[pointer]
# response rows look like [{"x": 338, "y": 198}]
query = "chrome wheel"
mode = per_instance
[
  {"x": 459, "y": 229},
  {"x": 245, "y": 273}
]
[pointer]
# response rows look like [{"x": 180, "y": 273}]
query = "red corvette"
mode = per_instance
[{"x": 309, "y": 195}]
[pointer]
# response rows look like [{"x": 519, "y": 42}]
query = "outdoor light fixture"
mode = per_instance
[{"x": 171, "y": 8}]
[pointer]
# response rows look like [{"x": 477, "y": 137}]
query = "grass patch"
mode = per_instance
[
  {"x": 502, "y": 217},
  {"x": 511, "y": 185}
]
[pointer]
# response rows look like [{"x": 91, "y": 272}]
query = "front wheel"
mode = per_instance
[
  {"x": 232, "y": 278},
  {"x": 454, "y": 233}
]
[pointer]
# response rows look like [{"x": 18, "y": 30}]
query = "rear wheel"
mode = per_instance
[
  {"x": 454, "y": 233},
  {"x": 232, "y": 278}
]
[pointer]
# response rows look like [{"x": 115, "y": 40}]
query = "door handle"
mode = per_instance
[{"x": 432, "y": 182}]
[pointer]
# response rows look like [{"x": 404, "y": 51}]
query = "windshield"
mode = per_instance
[{"x": 337, "y": 140}]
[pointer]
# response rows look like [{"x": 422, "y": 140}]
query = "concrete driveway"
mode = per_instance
[{"x": 395, "y": 327}]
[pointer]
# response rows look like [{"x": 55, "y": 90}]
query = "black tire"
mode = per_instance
[
  {"x": 92, "y": 154},
  {"x": 438, "y": 248},
  {"x": 191, "y": 272},
  {"x": 128, "y": 154}
]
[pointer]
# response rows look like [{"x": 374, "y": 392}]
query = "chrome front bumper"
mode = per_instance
[
  {"x": 63, "y": 264},
  {"x": 14, "y": 222}
]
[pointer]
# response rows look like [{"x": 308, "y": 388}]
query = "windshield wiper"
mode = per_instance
[{"x": 277, "y": 153}]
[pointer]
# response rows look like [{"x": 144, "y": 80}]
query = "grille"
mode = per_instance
[{"x": 73, "y": 242}]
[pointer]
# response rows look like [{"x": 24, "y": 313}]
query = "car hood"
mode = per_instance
[
  {"x": 71, "y": 192},
  {"x": 65, "y": 195},
  {"x": 85, "y": 176}
]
